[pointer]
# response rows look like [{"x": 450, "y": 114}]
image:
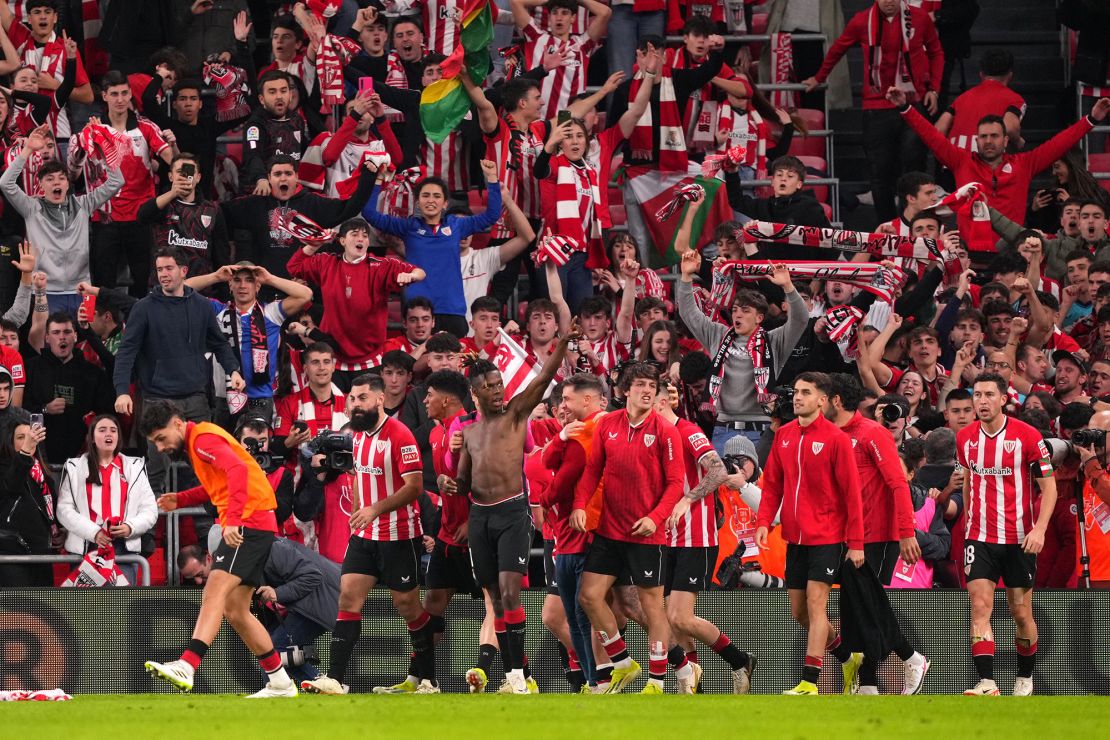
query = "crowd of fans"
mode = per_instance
[{"x": 245, "y": 227}]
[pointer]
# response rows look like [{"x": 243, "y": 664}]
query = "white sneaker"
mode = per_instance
[
  {"x": 517, "y": 684},
  {"x": 269, "y": 691},
  {"x": 324, "y": 685},
  {"x": 426, "y": 687},
  {"x": 1023, "y": 686},
  {"x": 913, "y": 676},
  {"x": 742, "y": 677},
  {"x": 868, "y": 690},
  {"x": 689, "y": 685},
  {"x": 985, "y": 687},
  {"x": 506, "y": 686},
  {"x": 177, "y": 672}
]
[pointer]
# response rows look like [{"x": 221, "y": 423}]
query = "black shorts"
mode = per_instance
[
  {"x": 249, "y": 559},
  {"x": 500, "y": 537},
  {"x": 689, "y": 568},
  {"x": 449, "y": 567},
  {"x": 805, "y": 563},
  {"x": 645, "y": 563},
  {"x": 1017, "y": 568},
  {"x": 396, "y": 565},
  {"x": 549, "y": 567},
  {"x": 882, "y": 557}
]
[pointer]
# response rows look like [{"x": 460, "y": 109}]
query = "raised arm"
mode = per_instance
[
  {"x": 653, "y": 62},
  {"x": 523, "y": 232},
  {"x": 555, "y": 292},
  {"x": 487, "y": 113},
  {"x": 523, "y": 404},
  {"x": 630, "y": 269},
  {"x": 599, "y": 22},
  {"x": 579, "y": 108},
  {"x": 882, "y": 373}
]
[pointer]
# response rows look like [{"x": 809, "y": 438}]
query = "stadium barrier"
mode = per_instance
[
  {"x": 95, "y": 641},
  {"x": 125, "y": 559}
]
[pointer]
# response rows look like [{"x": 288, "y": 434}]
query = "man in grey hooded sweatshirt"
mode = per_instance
[{"x": 58, "y": 222}]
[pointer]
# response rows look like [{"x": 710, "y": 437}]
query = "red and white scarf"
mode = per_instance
[
  {"x": 970, "y": 206},
  {"x": 400, "y": 192},
  {"x": 701, "y": 106},
  {"x": 759, "y": 351},
  {"x": 673, "y": 156},
  {"x": 903, "y": 78},
  {"x": 554, "y": 249},
  {"x": 231, "y": 86},
  {"x": 842, "y": 322},
  {"x": 881, "y": 245},
  {"x": 682, "y": 195},
  {"x": 751, "y": 132},
  {"x": 113, "y": 487},
  {"x": 300, "y": 226},
  {"x": 39, "y": 477},
  {"x": 782, "y": 70},
  {"x": 870, "y": 276},
  {"x": 577, "y": 200},
  {"x": 332, "y": 57},
  {"x": 95, "y": 150}
]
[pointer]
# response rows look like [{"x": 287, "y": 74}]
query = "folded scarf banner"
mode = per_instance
[{"x": 880, "y": 245}]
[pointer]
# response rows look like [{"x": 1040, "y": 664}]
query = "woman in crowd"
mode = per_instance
[
  {"x": 660, "y": 346},
  {"x": 1070, "y": 181},
  {"x": 105, "y": 499},
  {"x": 26, "y": 502}
]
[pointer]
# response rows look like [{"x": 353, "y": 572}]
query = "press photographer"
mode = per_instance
[
  {"x": 324, "y": 495},
  {"x": 746, "y": 565},
  {"x": 254, "y": 433},
  {"x": 1056, "y": 562},
  {"x": 1090, "y": 445}
]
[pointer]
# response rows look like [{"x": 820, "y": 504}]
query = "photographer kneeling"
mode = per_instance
[{"x": 1096, "y": 497}]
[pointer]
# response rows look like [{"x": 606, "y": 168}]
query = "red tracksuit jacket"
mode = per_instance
[
  {"x": 811, "y": 473},
  {"x": 887, "y": 506},
  {"x": 643, "y": 472}
]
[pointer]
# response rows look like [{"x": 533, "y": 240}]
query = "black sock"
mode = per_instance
[
  {"x": 505, "y": 649},
  {"x": 984, "y": 664},
  {"x": 564, "y": 657},
  {"x": 485, "y": 657},
  {"x": 516, "y": 633},
  {"x": 734, "y": 656},
  {"x": 343, "y": 640},
  {"x": 902, "y": 648},
  {"x": 675, "y": 656},
  {"x": 424, "y": 652},
  {"x": 868, "y": 673},
  {"x": 839, "y": 650},
  {"x": 603, "y": 675},
  {"x": 414, "y": 665},
  {"x": 811, "y": 673},
  {"x": 1026, "y": 664},
  {"x": 576, "y": 679}
]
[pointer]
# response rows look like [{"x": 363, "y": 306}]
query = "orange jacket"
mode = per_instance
[{"x": 229, "y": 478}]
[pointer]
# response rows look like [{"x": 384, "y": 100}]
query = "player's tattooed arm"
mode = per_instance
[{"x": 713, "y": 475}]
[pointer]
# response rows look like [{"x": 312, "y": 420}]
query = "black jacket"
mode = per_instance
[
  {"x": 85, "y": 388},
  {"x": 801, "y": 209},
  {"x": 252, "y": 221},
  {"x": 22, "y": 507}
]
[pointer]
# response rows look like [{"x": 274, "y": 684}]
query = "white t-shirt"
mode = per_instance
[{"x": 478, "y": 268}]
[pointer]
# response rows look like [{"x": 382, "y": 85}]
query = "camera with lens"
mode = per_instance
[
  {"x": 781, "y": 406},
  {"x": 734, "y": 463},
  {"x": 892, "y": 412},
  {"x": 1089, "y": 437},
  {"x": 336, "y": 447},
  {"x": 265, "y": 460}
]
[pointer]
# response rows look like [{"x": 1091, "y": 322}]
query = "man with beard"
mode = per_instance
[
  {"x": 386, "y": 542},
  {"x": 490, "y": 471},
  {"x": 274, "y": 128},
  {"x": 233, "y": 482},
  {"x": 262, "y": 215},
  {"x": 1071, "y": 377},
  {"x": 331, "y": 162}
]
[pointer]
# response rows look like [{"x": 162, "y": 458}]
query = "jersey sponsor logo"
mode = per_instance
[
  {"x": 370, "y": 469},
  {"x": 649, "y": 440},
  {"x": 817, "y": 447},
  {"x": 1042, "y": 449},
  {"x": 174, "y": 239},
  {"x": 205, "y": 454},
  {"x": 409, "y": 455},
  {"x": 991, "y": 471},
  {"x": 1009, "y": 446},
  {"x": 698, "y": 439}
]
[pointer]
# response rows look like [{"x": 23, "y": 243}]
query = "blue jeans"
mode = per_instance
[
  {"x": 296, "y": 630},
  {"x": 721, "y": 435},
  {"x": 568, "y": 574},
  {"x": 577, "y": 281},
  {"x": 626, "y": 28}
]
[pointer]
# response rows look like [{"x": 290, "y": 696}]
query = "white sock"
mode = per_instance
[
  {"x": 685, "y": 671},
  {"x": 412, "y": 679},
  {"x": 519, "y": 672},
  {"x": 656, "y": 681},
  {"x": 623, "y": 663},
  {"x": 280, "y": 678}
]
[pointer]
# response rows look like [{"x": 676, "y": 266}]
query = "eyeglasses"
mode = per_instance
[{"x": 997, "y": 365}]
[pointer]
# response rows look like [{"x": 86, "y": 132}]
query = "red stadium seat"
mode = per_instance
[
  {"x": 808, "y": 146},
  {"x": 617, "y": 214},
  {"x": 828, "y": 211},
  {"x": 1099, "y": 163},
  {"x": 815, "y": 165},
  {"x": 814, "y": 119},
  {"x": 820, "y": 192},
  {"x": 759, "y": 26}
]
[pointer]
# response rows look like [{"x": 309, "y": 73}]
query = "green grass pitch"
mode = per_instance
[{"x": 557, "y": 716}]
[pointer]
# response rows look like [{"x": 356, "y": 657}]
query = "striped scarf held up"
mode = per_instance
[
  {"x": 332, "y": 57},
  {"x": 673, "y": 156},
  {"x": 571, "y": 222}
]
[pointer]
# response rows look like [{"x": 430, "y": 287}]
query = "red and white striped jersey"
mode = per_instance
[
  {"x": 581, "y": 21},
  {"x": 442, "y": 23},
  {"x": 515, "y": 152},
  {"x": 699, "y": 527},
  {"x": 381, "y": 461},
  {"x": 567, "y": 80},
  {"x": 1003, "y": 467},
  {"x": 609, "y": 351},
  {"x": 446, "y": 160},
  {"x": 745, "y": 129},
  {"x": 47, "y": 59},
  {"x": 300, "y": 68}
]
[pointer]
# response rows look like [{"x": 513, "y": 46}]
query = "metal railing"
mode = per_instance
[{"x": 128, "y": 559}]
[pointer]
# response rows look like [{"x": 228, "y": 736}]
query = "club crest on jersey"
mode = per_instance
[
  {"x": 409, "y": 455},
  {"x": 817, "y": 447},
  {"x": 1009, "y": 446},
  {"x": 206, "y": 220},
  {"x": 854, "y": 443},
  {"x": 649, "y": 440},
  {"x": 380, "y": 445}
]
